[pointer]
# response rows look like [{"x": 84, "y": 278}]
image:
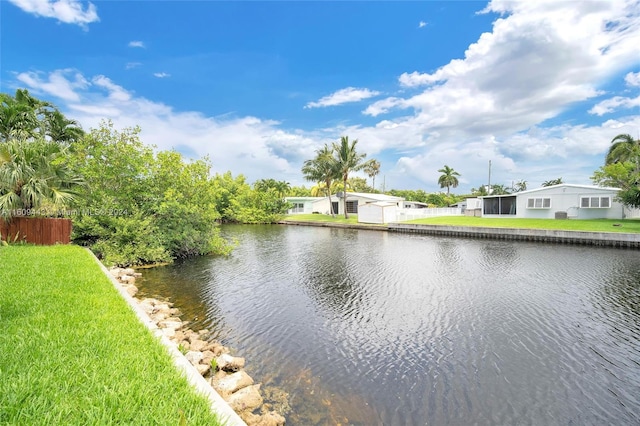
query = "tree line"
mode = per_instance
[
  {"x": 134, "y": 205},
  {"x": 129, "y": 202}
]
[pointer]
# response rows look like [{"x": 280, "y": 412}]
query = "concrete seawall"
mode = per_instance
[
  {"x": 603, "y": 239},
  {"x": 606, "y": 239}
]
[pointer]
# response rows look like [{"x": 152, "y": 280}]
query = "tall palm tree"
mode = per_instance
[
  {"x": 16, "y": 119},
  {"x": 372, "y": 169},
  {"x": 552, "y": 182},
  {"x": 448, "y": 178},
  {"x": 520, "y": 186},
  {"x": 624, "y": 148},
  {"x": 24, "y": 116},
  {"x": 348, "y": 160},
  {"x": 322, "y": 169},
  {"x": 33, "y": 175},
  {"x": 61, "y": 129}
]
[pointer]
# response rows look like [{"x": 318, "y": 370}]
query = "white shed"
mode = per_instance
[{"x": 378, "y": 212}]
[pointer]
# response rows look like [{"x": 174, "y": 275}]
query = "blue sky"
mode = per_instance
[{"x": 537, "y": 88}]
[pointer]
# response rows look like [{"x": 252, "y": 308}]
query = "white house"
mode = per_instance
[
  {"x": 354, "y": 200},
  {"x": 557, "y": 201},
  {"x": 302, "y": 205}
]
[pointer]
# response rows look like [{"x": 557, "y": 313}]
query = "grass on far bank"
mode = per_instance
[
  {"x": 73, "y": 352},
  {"x": 339, "y": 218},
  {"x": 588, "y": 225}
]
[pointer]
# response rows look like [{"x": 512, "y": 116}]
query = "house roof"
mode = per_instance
[
  {"x": 303, "y": 198},
  {"x": 376, "y": 197},
  {"x": 381, "y": 204},
  {"x": 562, "y": 185}
]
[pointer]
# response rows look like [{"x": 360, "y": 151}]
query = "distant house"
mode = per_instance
[
  {"x": 414, "y": 205},
  {"x": 354, "y": 200},
  {"x": 557, "y": 201},
  {"x": 302, "y": 205}
]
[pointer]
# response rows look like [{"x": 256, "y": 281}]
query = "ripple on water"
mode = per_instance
[{"x": 370, "y": 327}]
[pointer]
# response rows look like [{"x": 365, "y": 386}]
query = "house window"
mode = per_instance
[
  {"x": 297, "y": 208},
  {"x": 352, "y": 207},
  {"x": 539, "y": 203},
  {"x": 595, "y": 202},
  {"x": 499, "y": 205}
]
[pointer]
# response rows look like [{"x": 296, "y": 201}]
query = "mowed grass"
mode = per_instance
[
  {"x": 322, "y": 218},
  {"x": 72, "y": 352},
  {"x": 588, "y": 225}
]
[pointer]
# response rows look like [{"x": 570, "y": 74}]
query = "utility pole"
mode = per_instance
[{"x": 489, "y": 186}]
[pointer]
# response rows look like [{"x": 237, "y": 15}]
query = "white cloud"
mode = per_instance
[
  {"x": 422, "y": 24},
  {"x": 131, "y": 65},
  {"x": 383, "y": 106},
  {"x": 342, "y": 96},
  {"x": 60, "y": 83},
  {"x": 137, "y": 43},
  {"x": 617, "y": 102},
  {"x": 255, "y": 147},
  {"x": 115, "y": 92},
  {"x": 633, "y": 79},
  {"x": 67, "y": 11},
  {"x": 540, "y": 58},
  {"x": 161, "y": 74}
]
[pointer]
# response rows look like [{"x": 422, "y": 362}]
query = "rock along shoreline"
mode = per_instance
[{"x": 222, "y": 371}]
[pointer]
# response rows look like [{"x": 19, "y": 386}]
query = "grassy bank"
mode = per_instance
[
  {"x": 322, "y": 218},
  {"x": 72, "y": 351},
  {"x": 588, "y": 225}
]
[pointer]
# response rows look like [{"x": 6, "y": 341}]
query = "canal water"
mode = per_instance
[{"x": 366, "y": 327}]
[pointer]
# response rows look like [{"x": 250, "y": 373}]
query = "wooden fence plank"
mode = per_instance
[{"x": 37, "y": 230}]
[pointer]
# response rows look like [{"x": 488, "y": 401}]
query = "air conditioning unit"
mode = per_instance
[{"x": 561, "y": 215}]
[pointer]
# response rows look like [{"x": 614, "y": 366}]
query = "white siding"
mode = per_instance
[
  {"x": 377, "y": 212},
  {"x": 567, "y": 199}
]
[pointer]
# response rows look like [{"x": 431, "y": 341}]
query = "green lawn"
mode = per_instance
[
  {"x": 589, "y": 225},
  {"x": 353, "y": 218},
  {"x": 72, "y": 352}
]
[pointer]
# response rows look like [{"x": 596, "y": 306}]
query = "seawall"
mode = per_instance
[{"x": 603, "y": 239}]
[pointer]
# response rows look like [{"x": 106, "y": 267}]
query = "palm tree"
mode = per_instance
[
  {"x": 448, "y": 178},
  {"x": 520, "y": 186},
  {"x": 372, "y": 169},
  {"x": 61, "y": 129},
  {"x": 348, "y": 160},
  {"x": 24, "y": 116},
  {"x": 624, "y": 148},
  {"x": 16, "y": 119},
  {"x": 322, "y": 169},
  {"x": 552, "y": 182},
  {"x": 33, "y": 175}
]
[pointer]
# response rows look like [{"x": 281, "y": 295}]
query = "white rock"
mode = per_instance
[
  {"x": 131, "y": 289},
  {"x": 198, "y": 345},
  {"x": 128, "y": 279},
  {"x": 227, "y": 362},
  {"x": 203, "y": 368},
  {"x": 194, "y": 357},
  {"x": 248, "y": 399},
  {"x": 169, "y": 332},
  {"x": 233, "y": 382}
]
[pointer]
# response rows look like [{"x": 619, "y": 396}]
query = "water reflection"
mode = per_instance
[{"x": 368, "y": 327}]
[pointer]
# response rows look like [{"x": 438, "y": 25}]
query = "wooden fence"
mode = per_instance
[{"x": 36, "y": 230}]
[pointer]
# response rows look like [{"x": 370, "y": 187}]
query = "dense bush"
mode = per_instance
[{"x": 140, "y": 207}]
